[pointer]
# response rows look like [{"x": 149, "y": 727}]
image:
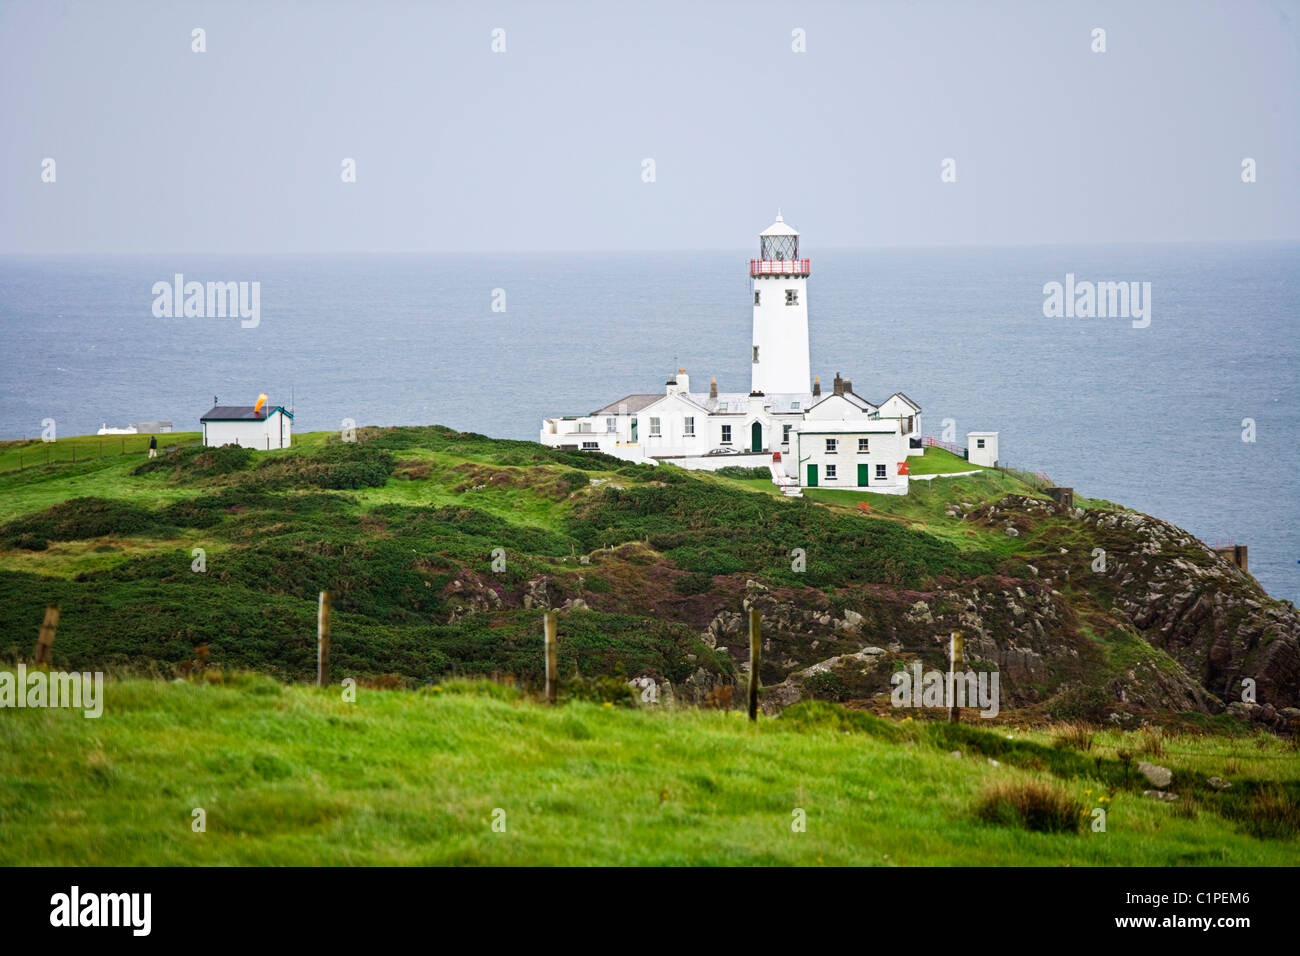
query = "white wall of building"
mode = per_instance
[
  {"x": 982, "y": 448},
  {"x": 272, "y": 432},
  {"x": 781, "y": 336},
  {"x": 897, "y": 407},
  {"x": 839, "y": 468}
]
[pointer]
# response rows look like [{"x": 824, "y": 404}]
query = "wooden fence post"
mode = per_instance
[
  {"x": 755, "y": 659},
  {"x": 552, "y": 662},
  {"x": 48, "y": 628},
  {"x": 323, "y": 641},
  {"x": 955, "y": 664}
]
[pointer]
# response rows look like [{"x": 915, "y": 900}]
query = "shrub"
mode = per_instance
[
  {"x": 80, "y": 518},
  {"x": 736, "y": 471},
  {"x": 824, "y": 686},
  {"x": 1271, "y": 814},
  {"x": 1075, "y": 735},
  {"x": 697, "y": 582},
  {"x": 198, "y": 462},
  {"x": 1033, "y": 805},
  {"x": 600, "y": 690}
]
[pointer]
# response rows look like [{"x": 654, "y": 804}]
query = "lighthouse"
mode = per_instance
[{"x": 780, "y": 353}]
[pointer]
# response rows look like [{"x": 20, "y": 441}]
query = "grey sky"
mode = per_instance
[{"x": 239, "y": 149}]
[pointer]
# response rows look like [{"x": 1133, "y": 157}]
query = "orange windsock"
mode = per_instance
[{"x": 261, "y": 400}]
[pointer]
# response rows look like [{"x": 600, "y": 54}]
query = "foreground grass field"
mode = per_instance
[{"x": 294, "y": 775}]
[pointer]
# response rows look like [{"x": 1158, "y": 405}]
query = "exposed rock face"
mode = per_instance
[
  {"x": 1157, "y": 587},
  {"x": 1127, "y": 612},
  {"x": 470, "y": 595},
  {"x": 1197, "y": 606}
]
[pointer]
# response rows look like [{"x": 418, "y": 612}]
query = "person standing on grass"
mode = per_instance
[{"x": 153, "y": 446}]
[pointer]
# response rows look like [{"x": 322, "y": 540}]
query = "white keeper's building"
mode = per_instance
[
  {"x": 244, "y": 425},
  {"x": 785, "y": 423}
]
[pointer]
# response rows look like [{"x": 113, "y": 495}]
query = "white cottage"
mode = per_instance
[
  {"x": 982, "y": 448},
  {"x": 804, "y": 437},
  {"x": 263, "y": 430}
]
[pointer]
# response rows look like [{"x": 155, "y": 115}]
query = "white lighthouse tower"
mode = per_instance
[{"x": 780, "y": 358}]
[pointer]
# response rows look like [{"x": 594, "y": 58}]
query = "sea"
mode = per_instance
[{"x": 1190, "y": 416}]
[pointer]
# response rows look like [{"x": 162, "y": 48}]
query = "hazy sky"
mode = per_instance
[{"x": 239, "y": 149}]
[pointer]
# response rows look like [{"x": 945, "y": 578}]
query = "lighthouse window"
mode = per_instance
[
  {"x": 831, "y": 444},
  {"x": 791, "y": 296},
  {"x": 654, "y": 426},
  {"x": 757, "y": 297},
  {"x": 688, "y": 424},
  {"x": 755, "y": 354},
  {"x": 726, "y": 434}
]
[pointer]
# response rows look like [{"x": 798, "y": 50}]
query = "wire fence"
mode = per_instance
[{"x": 72, "y": 451}]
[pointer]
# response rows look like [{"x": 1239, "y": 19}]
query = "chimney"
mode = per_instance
[
  {"x": 848, "y": 386},
  {"x": 713, "y": 387},
  {"x": 817, "y": 386},
  {"x": 838, "y": 386},
  {"x": 683, "y": 381}
]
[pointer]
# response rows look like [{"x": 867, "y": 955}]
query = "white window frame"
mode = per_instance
[
  {"x": 656, "y": 429},
  {"x": 832, "y": 446},
  {"x": 785, "y": 434},
  {"x": 864, "y": 446},
  {"x": 726, "y": 434},
  {"x": 979, "y": 443},
  {"x": 881, "y": 474},
  {"x": 611, "y": 425},
  {"x": 791, "y": 296},
  {"x": 688, "y": 425},
  {"x": 591, "y": 446},
  {"x": 830, "y": 472}
]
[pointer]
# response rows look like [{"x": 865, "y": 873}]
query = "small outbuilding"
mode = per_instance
[
  {"x": 982, "y": 448},
  {"x": 246, "y": 426}
]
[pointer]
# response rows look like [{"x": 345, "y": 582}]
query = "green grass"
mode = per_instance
[
  {"x": 81, "y": 448},
  {"x": 938, "y": 461},
  {"x": 296, "y": 776}
]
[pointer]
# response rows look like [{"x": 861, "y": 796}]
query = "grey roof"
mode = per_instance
[
  {"x": 241, "y": 413},
  {"x": 633, "y": 403}
]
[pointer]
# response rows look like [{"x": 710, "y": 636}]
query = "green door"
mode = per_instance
[
  {"x": 812, "y": 476},
  {"x": 864, "y": 475},
  {"x": 756, "y": 437}
]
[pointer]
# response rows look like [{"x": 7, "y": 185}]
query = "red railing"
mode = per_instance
[
  {"x": 780, "y": 267},
  {"x": 931, "y": 442}
]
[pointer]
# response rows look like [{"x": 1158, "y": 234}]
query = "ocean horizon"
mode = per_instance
[{"x": 1151, "y": 417}]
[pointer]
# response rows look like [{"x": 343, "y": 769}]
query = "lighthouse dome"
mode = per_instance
[
  {"x": 780, "y": 228},
  {"x": 779, "y": 241}
]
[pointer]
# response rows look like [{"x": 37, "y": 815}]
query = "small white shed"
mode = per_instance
[
  {"x": 982, "y": 448},
  {"x": 240, "y": 425}
]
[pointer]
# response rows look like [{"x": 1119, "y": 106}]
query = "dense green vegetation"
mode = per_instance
[{"x": 402, "y": 527}]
